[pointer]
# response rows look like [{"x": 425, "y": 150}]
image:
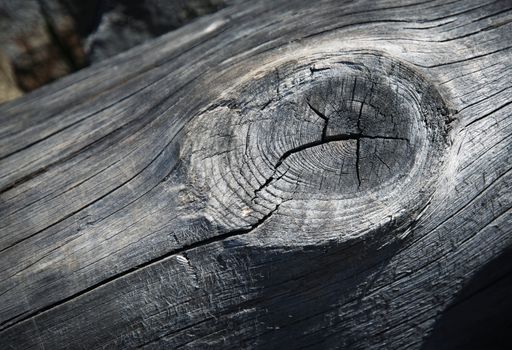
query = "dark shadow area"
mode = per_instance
[
  {"x": 481, "y": 315},
  {"x": 300, "y": 293}
]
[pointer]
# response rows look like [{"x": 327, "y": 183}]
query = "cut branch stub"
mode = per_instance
[{"x": 331, "y": 153}]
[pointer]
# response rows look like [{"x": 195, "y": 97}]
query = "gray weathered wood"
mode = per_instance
[{"x": 278, "y": 174}]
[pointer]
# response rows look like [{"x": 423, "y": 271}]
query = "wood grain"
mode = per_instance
[{"x": 275, "y": 175}]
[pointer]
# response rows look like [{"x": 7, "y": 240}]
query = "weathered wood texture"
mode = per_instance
[{"x": 276, "y": 175}]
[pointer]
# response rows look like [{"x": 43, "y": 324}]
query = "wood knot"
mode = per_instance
[{"x": 324, "y": 147}]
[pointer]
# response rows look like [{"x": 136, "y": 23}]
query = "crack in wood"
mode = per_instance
[
  {"x": 314, "y": 69},
  {"x": 219, "y": 238},
  {"x": 322, "y": 116},
  {"x": 325, "y": 140}
]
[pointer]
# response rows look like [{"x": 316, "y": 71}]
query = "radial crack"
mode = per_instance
[
  {"x": 332, "y": 138},
  {"x": 263, "y": 185},
  {"x": 358, "y": 144},
  {"x": 358, "y": 153},
  {"x": 322, "y": 116}
]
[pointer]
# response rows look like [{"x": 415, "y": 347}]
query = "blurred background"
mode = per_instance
[{"x": 43, "y": 40}]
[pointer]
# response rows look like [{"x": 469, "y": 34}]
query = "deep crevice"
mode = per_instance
[
  {"x": 314, "y": 70},
  {"x": 358, "y": 144},
  {"x": 322, "y": 116},
  {"x": 262, "y": 186},
  {"x": 358, "y": 155}
]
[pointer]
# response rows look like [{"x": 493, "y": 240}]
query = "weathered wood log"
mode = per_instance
[{"x": 275, "y": 175}]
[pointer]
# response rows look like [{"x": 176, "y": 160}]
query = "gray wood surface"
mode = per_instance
[{"x": 276, "y": 175}]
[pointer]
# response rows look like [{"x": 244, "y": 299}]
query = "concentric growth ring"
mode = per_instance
[{"x": 323, "y": 148}]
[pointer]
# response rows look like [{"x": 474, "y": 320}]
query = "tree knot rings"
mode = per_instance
[{"x": 330, "y": 147}]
